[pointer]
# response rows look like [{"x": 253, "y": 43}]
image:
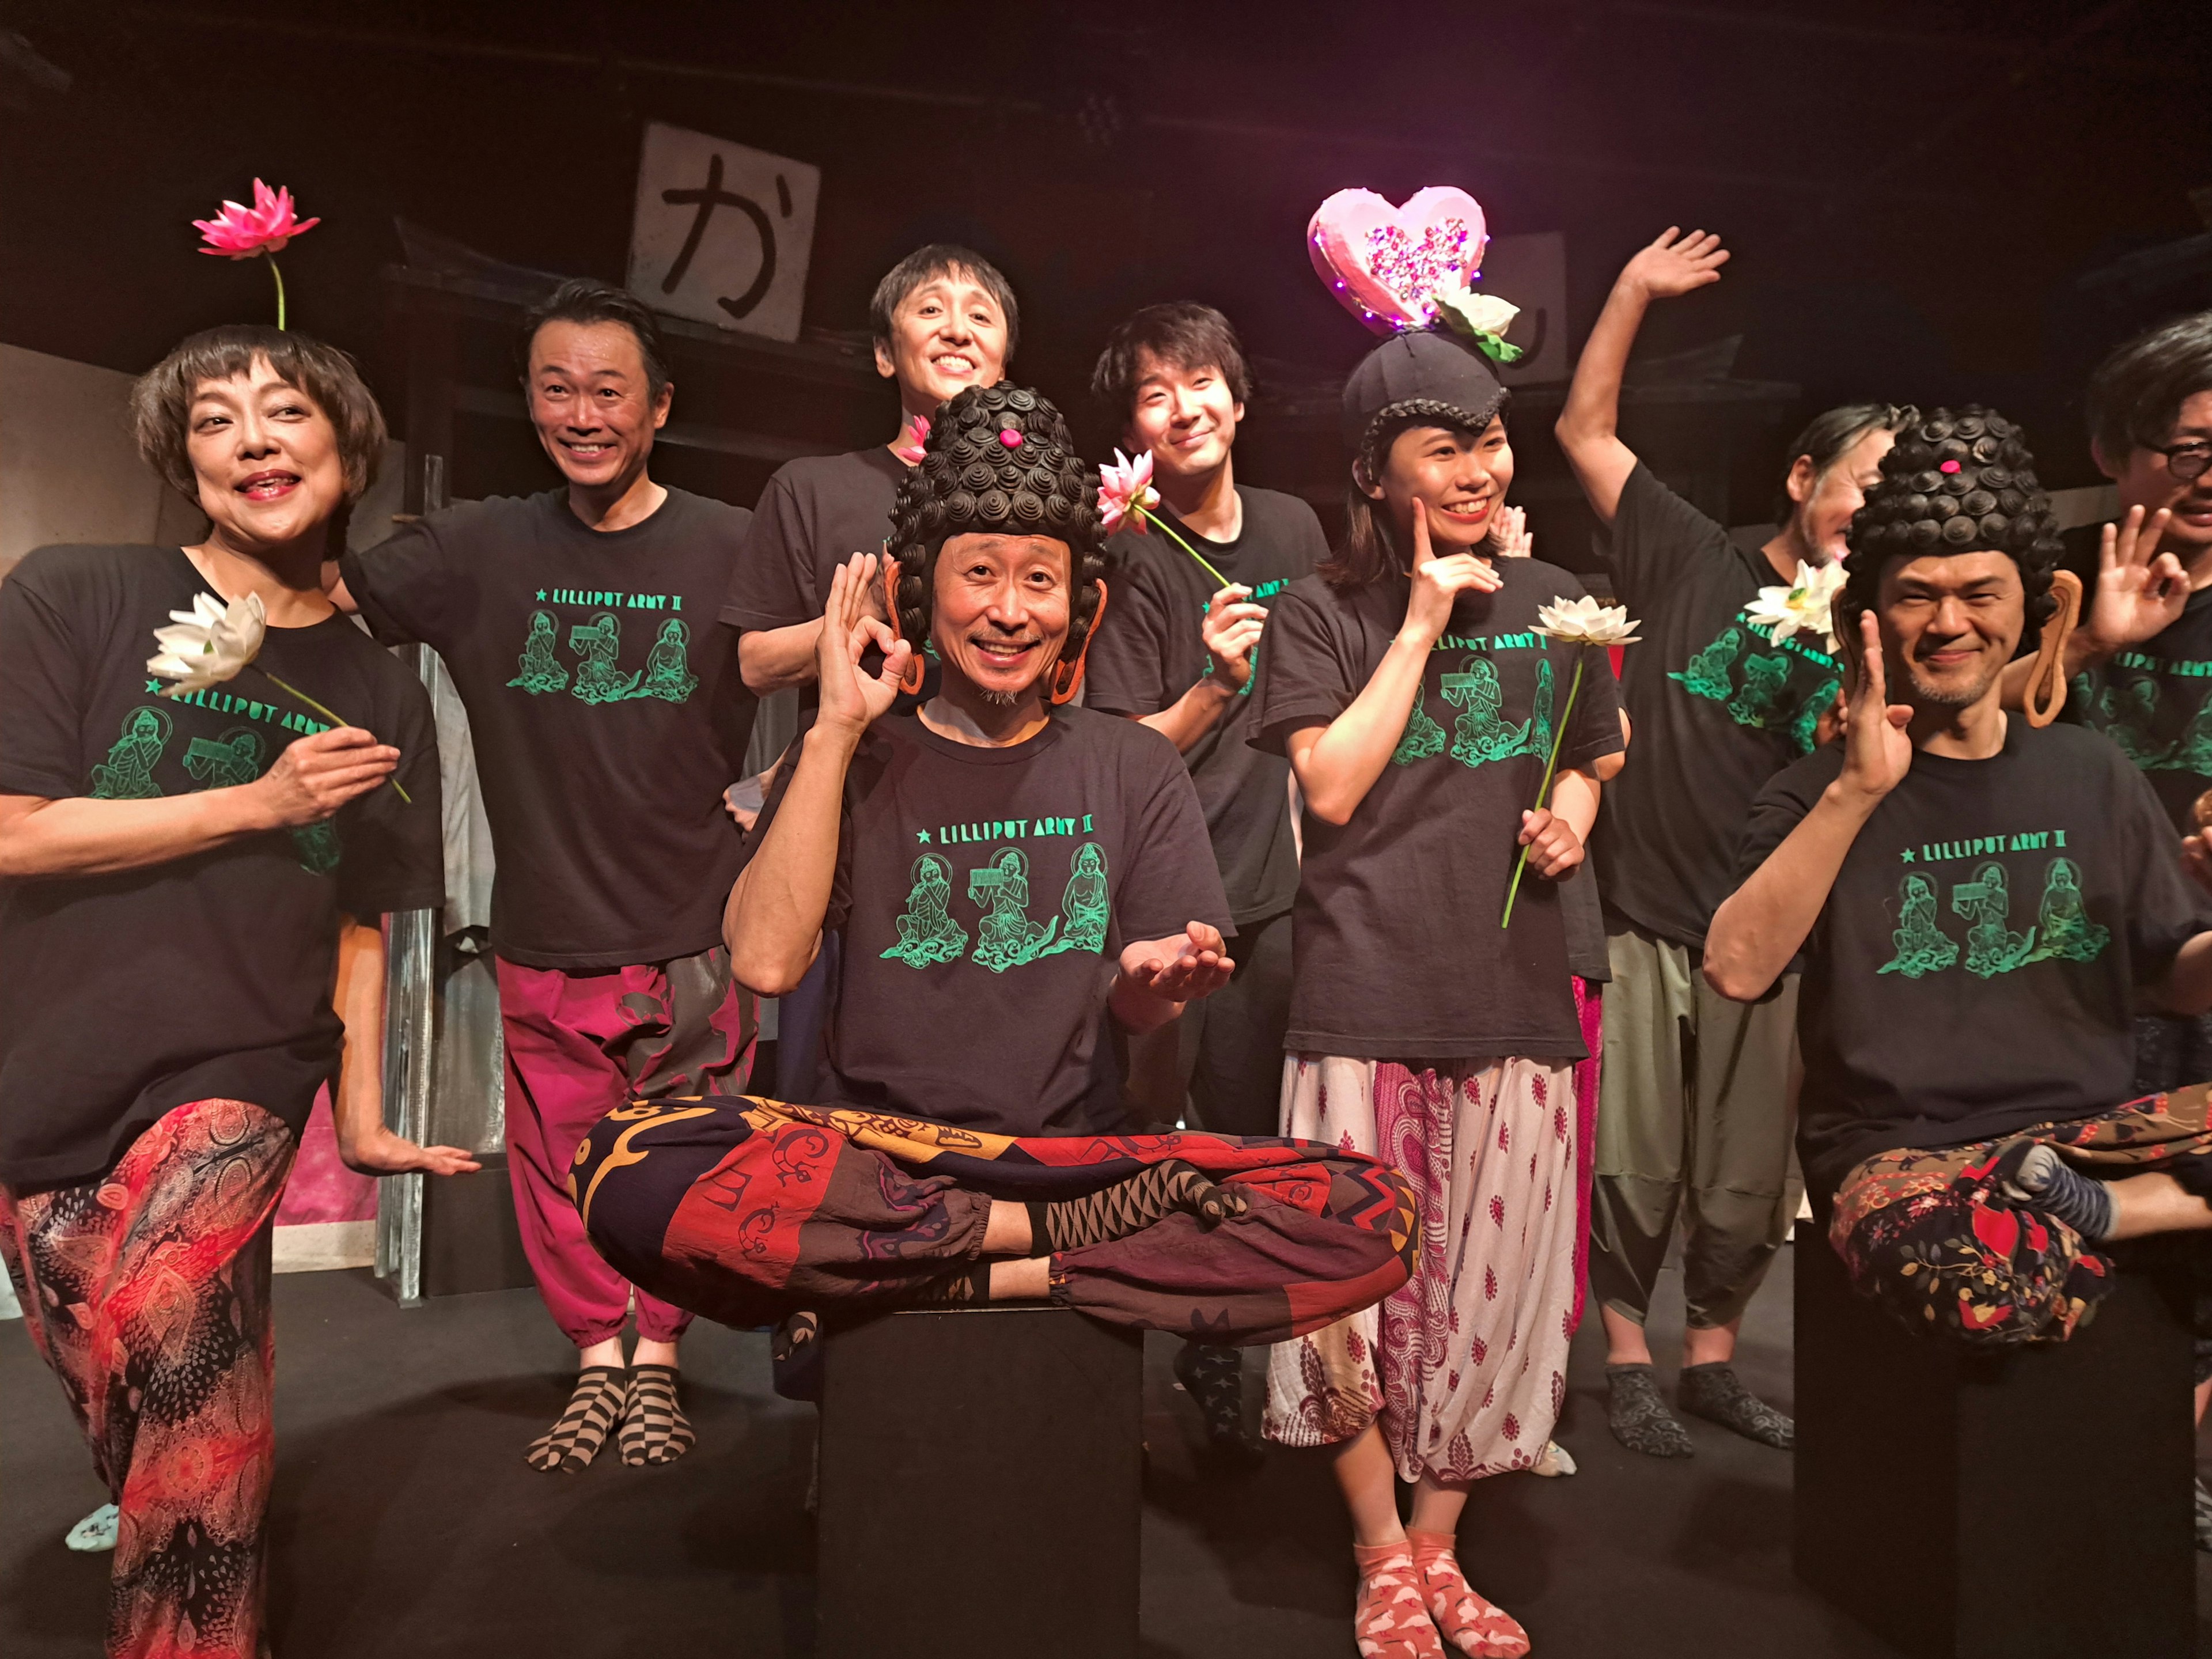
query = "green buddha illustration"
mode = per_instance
[
  {"x": 127, "y": 774},
  {"x": 1992, "y": 947},
  {"x": 225, "y": 765},
  {"x": 1006, "y": 937},
  {"x": 1706, "y": 674},
  {"x": 598, "y": 642},
  {"x": 1540, "y": 714},
  {"x": 1422, "y": 738},
  {"x": 927, "y": 931},
  {"x": 316, "y": 846},
  {"x": 1921, "y": 946},
  {"x": 1480, "y": 732},
  {"x": 2063, "y": 925},
  {"x": 541, "y": 669},
  {"x": 1805, "y": 728},
  {"x": 1082, "y": 906},
  {"x": 2126, "y": 713},
  {"x": 1765, "y": 679},
  {"x": 2193, "y": 752},
  {"x": 667, "y": 668}
]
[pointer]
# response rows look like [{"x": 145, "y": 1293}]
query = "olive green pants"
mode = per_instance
[{"x": 1696, "y": 1115}]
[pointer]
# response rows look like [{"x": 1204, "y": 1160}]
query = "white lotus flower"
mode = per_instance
[
  {"x": 1482, "y": 313},
  {"x": 1585, "y": 622},
  {"x": 1809, "y": 603},
  {"x": 208, "y": 644}
]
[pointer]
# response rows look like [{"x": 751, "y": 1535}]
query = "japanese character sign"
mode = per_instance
[{"x": 722, "y": 233}]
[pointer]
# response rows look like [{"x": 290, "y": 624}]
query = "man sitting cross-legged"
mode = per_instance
[
  {"x": 1006, "y": 869},
  {"x": 1978, "y": 901}
]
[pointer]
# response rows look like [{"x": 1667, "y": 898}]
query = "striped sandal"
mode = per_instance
[
  {"x": 654, "y": 1428},
  {"x": 593, "y": 1410}
]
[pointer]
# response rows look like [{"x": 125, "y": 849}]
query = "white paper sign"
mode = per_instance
[
  {"x": 721, "y": 233},
  {"x": 1531, "y": 273}
]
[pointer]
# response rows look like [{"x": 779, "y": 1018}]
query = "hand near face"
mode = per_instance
[
  {"x": 1554, "y": 850},
  {"x": 2141, "y": 592},
  {"x": 1508, "y": 534},
  {"x": 1437, "y": 582},
  {"x": 1179, "y": 969},
  {"x": 850, "y": 699},
  {"x": 1674, "y": 265},
  {"x": 1877, "y": 753},
  {"x": 1230, "y": 629}
]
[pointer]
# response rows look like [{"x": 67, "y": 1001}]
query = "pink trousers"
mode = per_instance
[{"x": 578, "y": 1046}]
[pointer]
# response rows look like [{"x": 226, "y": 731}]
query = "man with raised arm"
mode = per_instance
[
  {"x": 1693, "y": 1119},
  {"x": 1979, "y": 902}
]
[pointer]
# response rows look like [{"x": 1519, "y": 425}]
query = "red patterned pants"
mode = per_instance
[{"x": 147, "y": 1292}]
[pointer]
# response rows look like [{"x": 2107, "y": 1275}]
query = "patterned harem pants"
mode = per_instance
[
  {"x": 1933, "y": 1238},
  {"x": 748, "y": 1211},
  {"x": 147, "y": 1291}
]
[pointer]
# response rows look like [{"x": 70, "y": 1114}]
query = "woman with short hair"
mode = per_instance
[{"x": 191, "y": 881}]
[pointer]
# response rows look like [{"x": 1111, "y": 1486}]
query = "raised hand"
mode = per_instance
[
  {"x": 1231, "y": 627},
  {"x": 1674, "y": 264},
  {"x": 1438, "y": 581},
  {"x": 1508, "y": 534},
  {"x": 316, "y": 776},
  {"x": 1877, "y": 753},
  {"x": 851, "y": 700},
  {"x": 2141, "y": 592},
  {"x": 1180, "y": 970}
]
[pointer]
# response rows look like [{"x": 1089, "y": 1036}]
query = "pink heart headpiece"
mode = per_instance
[{"x": 1392, "y": 266}]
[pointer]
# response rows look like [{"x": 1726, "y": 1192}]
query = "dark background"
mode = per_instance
[{"x": 1926, "y": 201}]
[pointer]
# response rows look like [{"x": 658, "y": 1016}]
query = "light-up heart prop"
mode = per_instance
[{"x": 1387, "y": 265}]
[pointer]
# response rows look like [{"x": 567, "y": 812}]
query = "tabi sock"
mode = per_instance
[
  {"x": 1130, "y": 1207},
  {"x": 1715, "y": 1393},
  {"x": 653, "y": 1427},
  {"x": 1637, "y": 1413},
  {"x": 1462, "y": 1618},
  {"x": 1390, "y": 1620},
  {"x": 593, "y": 1410},
  {"x": 1213, "y": 1377},
  {"x": 2042, "y": 1179}
]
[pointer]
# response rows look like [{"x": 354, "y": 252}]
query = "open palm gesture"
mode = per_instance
[
  {"x": 1674, "y": 264},
  {"x": 1877, "y": 751}
]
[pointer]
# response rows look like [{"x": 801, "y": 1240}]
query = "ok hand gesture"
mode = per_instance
[
  {"x": 851, "y": 700},
  {"x": 2141, "y": 592}
]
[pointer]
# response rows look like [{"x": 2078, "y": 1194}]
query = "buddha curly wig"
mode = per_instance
[
  {"x": 1960, "y": 481},
  {"x": 997, "y": 459}
]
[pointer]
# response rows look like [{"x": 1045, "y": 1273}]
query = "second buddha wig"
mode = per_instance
[
  {"x": 998, "y": 460},
  {"x": 1962, "y": 481}
]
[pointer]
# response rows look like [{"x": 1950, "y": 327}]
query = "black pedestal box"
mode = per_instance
[
  {"x": 2032, "y": 1503},
  {"x": 982, "y": 1486}
]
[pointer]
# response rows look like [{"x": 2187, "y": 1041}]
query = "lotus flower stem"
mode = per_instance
[
  {"x": 1559, "y": 737},
  {"x": 279, "y": 276},
  {"x": 1154, "y": 519},
  {"x": 335, "y": 719}
]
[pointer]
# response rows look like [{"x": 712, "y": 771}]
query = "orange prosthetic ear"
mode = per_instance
[
  {"x": 910, "y": 677},
  {"x": 2046, "y": 686},
  {"x": 1067, "y": 676}
]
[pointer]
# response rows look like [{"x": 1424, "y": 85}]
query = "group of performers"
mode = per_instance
[{"x": 1175, "y": 917}]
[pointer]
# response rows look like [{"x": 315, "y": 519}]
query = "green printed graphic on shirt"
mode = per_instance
[
  {"x": 2063, "y": 932},
  {"x": 541, "y": 669},
  {"x": 1421, "y": 738},
  {"x": 1480, "y": 732},
  {"x": 316, "y": 846},
  {"x": 597, "y": 643},
  {"x": 127, "y": 774},
  {"x": 1084, "y": 910},
  {"x": 1540, "y": 713},
  {"x": 927, "y": 931},
  {"x": 2151, "y": 710},
  {"x": 1754, "y": 685},
  {"x": 1922, "y": 947},
  {"x": 236, "y": 757},
  {"x": 1006, "y": 937}
]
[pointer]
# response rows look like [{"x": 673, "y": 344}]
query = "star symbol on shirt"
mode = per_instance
[
  {"x": 922, "y": 836},
  {"x": 154, "y": 686},
  {"x": 541, "y": 596},
  {"x": 1906, "y": 855}
]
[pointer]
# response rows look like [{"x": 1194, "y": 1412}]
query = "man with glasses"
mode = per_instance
[{"x": 2141, "y": 660}]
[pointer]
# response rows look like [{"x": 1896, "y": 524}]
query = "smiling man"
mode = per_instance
[
  {"x": 1979, "y": 903},
  {"x": 608, "y": 718},
  {"x": 1177, "y": 651},
  {"x": 944, "y": 320},
  {"x": 1693, "y": 1114}
]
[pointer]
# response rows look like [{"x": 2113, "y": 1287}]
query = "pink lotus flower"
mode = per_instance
[
  {"x": 1125, "y": 490},
  {"x": 239, "y": 232},
  {"x": 916, "y": 434}
]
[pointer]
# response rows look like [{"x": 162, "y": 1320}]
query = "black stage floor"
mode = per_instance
[{"x": 405, "y": 1522}]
